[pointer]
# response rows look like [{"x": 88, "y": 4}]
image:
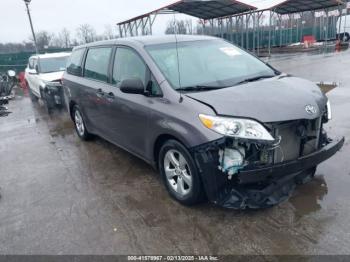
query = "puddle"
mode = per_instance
[{"x": 308, "y": 198}]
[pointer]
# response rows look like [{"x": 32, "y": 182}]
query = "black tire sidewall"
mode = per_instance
[{"x": 196, "y": 195}]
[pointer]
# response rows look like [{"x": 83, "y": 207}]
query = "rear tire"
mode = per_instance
[
  {"x": 180, "y": 174},
  {"x": 80, "y": 126}
]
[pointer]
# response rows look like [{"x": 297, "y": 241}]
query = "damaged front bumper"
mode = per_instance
[
  {"x": 257, "y": 186},
  {"x": 273, "y": 172}
]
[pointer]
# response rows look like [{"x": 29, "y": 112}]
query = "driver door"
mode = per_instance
[{"x": 128, "y": 114}]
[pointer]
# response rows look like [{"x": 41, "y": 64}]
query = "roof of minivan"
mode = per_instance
[
  {"x": 52, "y": 55},
  {"x": 150, "y": 40}
]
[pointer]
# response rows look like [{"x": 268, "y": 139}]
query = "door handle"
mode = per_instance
[
  {"x": 99, "y": 92},
  {"x": 111, "y": 95}
]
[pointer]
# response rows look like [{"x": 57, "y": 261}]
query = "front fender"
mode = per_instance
[{"x": 187, "y": 133}]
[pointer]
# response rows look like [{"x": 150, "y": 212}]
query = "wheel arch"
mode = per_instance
[
  {"x": 160, "y": 141},
  {"x": 71, "y": 105}
]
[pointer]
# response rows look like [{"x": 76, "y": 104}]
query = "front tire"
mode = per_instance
[
  {"x": 80, "y": 126},
  {"x": 180, "y": 174}
]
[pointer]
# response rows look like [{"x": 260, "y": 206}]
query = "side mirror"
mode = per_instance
[
  {"x": 32, "y": 72},
  {"x": 11, "y": 73},
  {"x": 132, "y": 86}
]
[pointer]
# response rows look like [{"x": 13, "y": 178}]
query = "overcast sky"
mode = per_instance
[{"x": 53, "y": 15}]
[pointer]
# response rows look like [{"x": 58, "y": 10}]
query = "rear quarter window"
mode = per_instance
[{"x": 74, "y": 62}]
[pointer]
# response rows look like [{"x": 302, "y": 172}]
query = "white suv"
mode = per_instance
[
  {"x": 44, "y": 69},
  {"x": 43, "y": 75}
]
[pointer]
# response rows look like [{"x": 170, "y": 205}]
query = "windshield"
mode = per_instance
[
  {"x": 210, "y": 63},
  {"x": 54, "y": 64}
]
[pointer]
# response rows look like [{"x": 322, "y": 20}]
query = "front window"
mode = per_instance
[
  {"x": 209, "y": 63},
  {"x": 128, "y": 64},
  {"x": 53, "y": 64}
]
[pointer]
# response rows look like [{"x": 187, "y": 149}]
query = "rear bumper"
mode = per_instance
[{"x": 273, "y": 172}]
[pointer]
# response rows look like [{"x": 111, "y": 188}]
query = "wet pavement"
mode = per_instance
[{"x": 60, "y": 195}]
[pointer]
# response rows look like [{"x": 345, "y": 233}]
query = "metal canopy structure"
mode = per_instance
[
  {"x": 272, "y": 23},
  {"x": 205, "y": 9},
  {"x": 299, "y": 6},
  {"x": 202, "y": 9}
]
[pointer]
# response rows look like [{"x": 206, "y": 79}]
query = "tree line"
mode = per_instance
[{"x": 85, "y": 33}]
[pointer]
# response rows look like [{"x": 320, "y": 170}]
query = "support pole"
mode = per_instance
[
  {"x": 258, "y": 41},
  {"x": 32, "y": 28},
  {"x": 340, "y": 20},
  {"x": 130, "y": 29},
  {"x": 326, "y": 47},
  {"x": 136, "y": 28},
  {"x": 143, "y": 26},
  {"x": 236, "y": 30},
  {"x": 247, "y": 31},
  {"x": 203, "y": 26},
  {"x": 280, "y": 28},
  {"x": 270, "y": 25},
  {"x": 120, "y": 31},
  {"x": 125, "y": 31},
  {"x": 231, "y": 29},
  {"x": 297, "y": 29},
  {"x": 254, "y": 28},
  {"x": 150, "y": 25},
  {"x": 242, "y": 28}
]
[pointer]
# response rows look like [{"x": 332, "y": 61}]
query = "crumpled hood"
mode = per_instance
[
  {"x": 270, "y": 100},
  {"x": 49, "y": 77}
]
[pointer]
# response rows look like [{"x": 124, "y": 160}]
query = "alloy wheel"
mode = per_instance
[
  {"x": 177, "y": 171},
  {"x": 79, "y": 123}
]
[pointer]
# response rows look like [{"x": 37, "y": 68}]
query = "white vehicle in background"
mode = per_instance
[
  {"x": 43, "y": 75},
  {"x": 343, "y": 28}
]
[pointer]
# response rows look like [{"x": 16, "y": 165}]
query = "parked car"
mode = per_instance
[
  {"x": 214, "y": 120},
  {"x": 43, "y": 76}
]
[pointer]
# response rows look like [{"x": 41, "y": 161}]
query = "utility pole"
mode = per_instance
[{"x": 27, "y": 2}]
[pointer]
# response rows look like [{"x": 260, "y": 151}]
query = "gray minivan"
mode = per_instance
[{"x": 217, "y": 122}]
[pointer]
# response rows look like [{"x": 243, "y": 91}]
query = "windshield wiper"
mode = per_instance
[
  {"x": 200, "y": 88},
  {"x": 253, "y": 79}
]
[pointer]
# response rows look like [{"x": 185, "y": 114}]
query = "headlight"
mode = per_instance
[
  {"x": 236, "y": 127},
  {"x": 329, "y": 110}
]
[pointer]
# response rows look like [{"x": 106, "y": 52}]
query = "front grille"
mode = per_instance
[{"x": 297, "y": 138}]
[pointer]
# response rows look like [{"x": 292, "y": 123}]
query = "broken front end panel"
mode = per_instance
[{"x": 241, "y": 174}]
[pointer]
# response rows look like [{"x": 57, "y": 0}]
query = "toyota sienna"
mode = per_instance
[{"x": 217, "y": 122}]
